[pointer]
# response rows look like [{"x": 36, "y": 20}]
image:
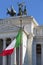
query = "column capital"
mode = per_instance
[
  {"x": 4, "y": 43},
  {"x": 4, "y": 38}
]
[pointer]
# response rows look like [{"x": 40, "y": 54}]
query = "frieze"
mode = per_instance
[
  {"x": 38, "y": 39},
  {"x": 8, "y": 28}
]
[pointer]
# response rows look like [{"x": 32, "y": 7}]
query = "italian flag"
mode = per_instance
[{"x": 15, "y": 43}]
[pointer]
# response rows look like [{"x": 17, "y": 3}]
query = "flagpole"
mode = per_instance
[
  {"x": 20, "y": 48},
  {"x": 21, "y": 44}
]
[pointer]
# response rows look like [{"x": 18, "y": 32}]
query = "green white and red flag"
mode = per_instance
[{"x": 15, "y": 43}]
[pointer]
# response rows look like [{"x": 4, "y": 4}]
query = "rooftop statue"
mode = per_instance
[
  {"x": 22, "y": 9},
  {"x": 11, "y": 11},
  {"x": 25, "y": 11}
]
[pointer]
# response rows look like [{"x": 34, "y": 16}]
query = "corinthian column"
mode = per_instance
[
  {"x": 13, "y": 56},
  {"x": 4, "y": 57}
]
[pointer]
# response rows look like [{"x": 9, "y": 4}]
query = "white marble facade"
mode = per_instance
[{"x": 8, "y": 30}]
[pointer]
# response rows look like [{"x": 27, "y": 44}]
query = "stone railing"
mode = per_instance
[{"x": 2, "y": 21}]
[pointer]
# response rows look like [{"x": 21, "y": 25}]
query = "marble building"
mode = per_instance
[{"x": 8, "y": 31}]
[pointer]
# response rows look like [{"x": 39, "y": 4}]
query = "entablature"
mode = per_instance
[{"x": 38, "y": 39}]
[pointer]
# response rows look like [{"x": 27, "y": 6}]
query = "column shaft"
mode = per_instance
[
  {"x": 42, "y": 54},
  {"x": 13, "y": 56},
  {"x": 4, "y": 57}
]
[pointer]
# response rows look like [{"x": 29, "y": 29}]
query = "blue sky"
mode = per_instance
[{"x": 34, "y": 8}]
